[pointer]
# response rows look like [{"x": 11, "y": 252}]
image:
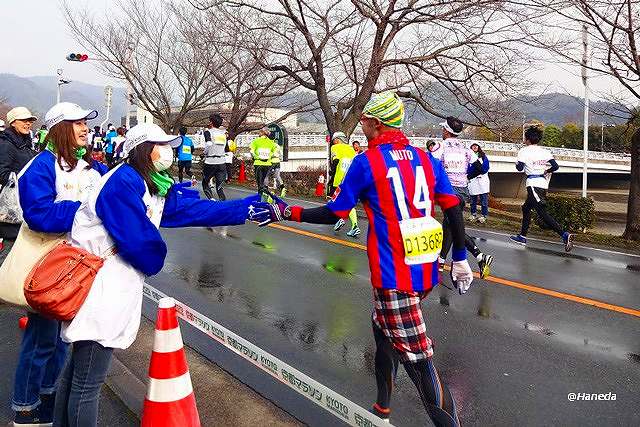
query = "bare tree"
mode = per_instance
[
  {"x": 141, "y": 44},
  {"x": 345, "y": 51},
  {"x": 246, "y": 89},
  {"x": 612, "y": 27}
]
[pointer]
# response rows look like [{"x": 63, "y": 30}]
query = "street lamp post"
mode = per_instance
[
  {"x": 61, "y": 81},
  {"x": 585, "y": 141}
]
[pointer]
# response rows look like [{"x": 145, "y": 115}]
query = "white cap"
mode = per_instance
[
  {"x": 20, "y": 113},
  {"x": 67, "y": 111},
  {"x": 341, "y": 136},
  {"x": 446, "y": 126},
  {"x": 148, "y": 132}
]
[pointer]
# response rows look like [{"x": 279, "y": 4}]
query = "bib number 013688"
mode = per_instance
[
  {"x": 422, "y": 236},
  {"x": 423, "y": 243}
]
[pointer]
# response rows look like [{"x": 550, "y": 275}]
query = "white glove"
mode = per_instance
[{"x": 461, "y": 275}]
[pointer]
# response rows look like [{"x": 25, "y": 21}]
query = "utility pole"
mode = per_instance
[
  {"x": 585, "y": 140},
  {"x": 61, "y": 81},
  {"x": 108, "y": 91},
  {"x": 127, "y": 121}
]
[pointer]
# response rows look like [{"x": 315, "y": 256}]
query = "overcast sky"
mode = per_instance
[{"x": 35, "y": 41}]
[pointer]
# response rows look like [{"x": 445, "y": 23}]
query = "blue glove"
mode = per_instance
[
  {"x": 278, "y": 211},
  {"x": 257, "y": 211}
]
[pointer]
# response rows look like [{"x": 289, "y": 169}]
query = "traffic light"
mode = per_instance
[{"x": 80, "y": 57}]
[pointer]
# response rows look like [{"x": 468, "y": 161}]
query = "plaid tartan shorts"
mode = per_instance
[{"x": 399, "y": 316}]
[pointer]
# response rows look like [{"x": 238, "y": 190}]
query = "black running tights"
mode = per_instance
[{"x": 435, "y": 395}]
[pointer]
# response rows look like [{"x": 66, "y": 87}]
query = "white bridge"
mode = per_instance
[{"x": 310, "y": 150}]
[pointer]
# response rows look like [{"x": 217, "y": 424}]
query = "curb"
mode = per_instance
[{"x": 126, "y": 386}]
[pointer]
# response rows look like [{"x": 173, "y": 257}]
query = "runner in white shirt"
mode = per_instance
[
  {"x": 461, "y": 164},
  {"x": 538, "y": 164}
]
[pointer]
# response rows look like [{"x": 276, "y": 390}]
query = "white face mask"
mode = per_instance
[{"x": 165, "y": 160}]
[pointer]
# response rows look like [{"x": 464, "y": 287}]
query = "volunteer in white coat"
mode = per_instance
[
  {"x": 122, "y": 216},
  {"x": 51, "y": 188},
  {"x": 479, "y": 187}
]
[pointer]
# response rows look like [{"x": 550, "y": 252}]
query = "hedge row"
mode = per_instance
[{"x": 573, "y": 213}]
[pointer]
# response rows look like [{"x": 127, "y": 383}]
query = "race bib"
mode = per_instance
[
  {"x": 422, "y": 240},
  {"x": 264, "y": 153},
  {"x": 186, "y": 149}
]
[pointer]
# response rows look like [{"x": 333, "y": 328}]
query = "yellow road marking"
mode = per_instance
[{"x": 498, "y": 280}]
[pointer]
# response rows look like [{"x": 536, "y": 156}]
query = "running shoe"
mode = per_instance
[
  {"x": 381, "y": 412},
  {"x": 354, "y": 232},
  {"x": 31, "y": 418},
  {"x": 484, "y": 262},
  {"x": 472, "y": 218},
  {"x": 521, "y": 240},
  {"x": 339, "y": 224},
  {"x": 568, "y": 241},
  {"x": 482, "y": 219}
]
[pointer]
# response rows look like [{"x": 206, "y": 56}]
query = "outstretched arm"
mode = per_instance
[{"x": 184, "y": 208}]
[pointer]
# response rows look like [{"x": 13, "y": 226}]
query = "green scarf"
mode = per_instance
[
  {"x": 163, "y": 181},
  {"x": 80, "y": 151}
]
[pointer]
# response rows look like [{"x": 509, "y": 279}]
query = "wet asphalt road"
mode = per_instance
[{"x": 510, "y": 356}]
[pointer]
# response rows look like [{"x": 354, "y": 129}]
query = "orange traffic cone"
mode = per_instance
[
  {"x": 242, "y": 176},
  {"x": 320, "y": 186},
  {"x": 170, "y": 400}
]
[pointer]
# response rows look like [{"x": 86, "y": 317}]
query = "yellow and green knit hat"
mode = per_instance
[{"x": 386, "y": 107}]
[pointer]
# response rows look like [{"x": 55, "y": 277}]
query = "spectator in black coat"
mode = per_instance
[{"x": 15, "y": 153}]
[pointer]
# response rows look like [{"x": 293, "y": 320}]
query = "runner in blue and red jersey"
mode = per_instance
[{"x": 399, "y": 186}]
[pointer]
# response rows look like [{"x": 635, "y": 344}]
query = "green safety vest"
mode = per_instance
[
  {"x": 276, "y": 155},
  {"x": 262, "y": 149},
  {"x": 345, "y": 154}
]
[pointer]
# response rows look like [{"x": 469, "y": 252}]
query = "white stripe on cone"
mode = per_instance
[
  {"x": 167, "y": 341},
  {"x": 169, "y": 390}
]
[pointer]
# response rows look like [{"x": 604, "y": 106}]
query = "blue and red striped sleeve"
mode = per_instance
[
  {"x": 444, "y": 195},
  {"x": 358, "y": 179}
]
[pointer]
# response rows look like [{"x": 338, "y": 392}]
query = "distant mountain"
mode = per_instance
[
  {"x": 559, "y": 109},
  {"x": 39, "y": 94},
  {"x": 551, "y": 108}
]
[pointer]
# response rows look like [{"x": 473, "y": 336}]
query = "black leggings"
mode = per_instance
[
  {"x": 184, "y": 165},
  {"x": 261, "y": 176},
  {"x": 435, "y": 395},
  {"x": 447, "y": 236},
  {"x": 219, "y": 172},
  {"x": 536, "y": 199}
]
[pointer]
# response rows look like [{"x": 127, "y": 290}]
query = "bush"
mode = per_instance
[
  {"x": 572, "y": 213},
  {"x": 495, "y": 203},
  {"x": 303, "y": 181}
]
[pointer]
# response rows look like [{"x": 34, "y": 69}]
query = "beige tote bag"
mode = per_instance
[{"x": 30, "y": 246}]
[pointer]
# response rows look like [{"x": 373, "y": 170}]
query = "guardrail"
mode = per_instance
[{"x": 319, "y": 140}]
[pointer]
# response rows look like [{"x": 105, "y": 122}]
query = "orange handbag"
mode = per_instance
[{"x": 59, "y": 283}]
